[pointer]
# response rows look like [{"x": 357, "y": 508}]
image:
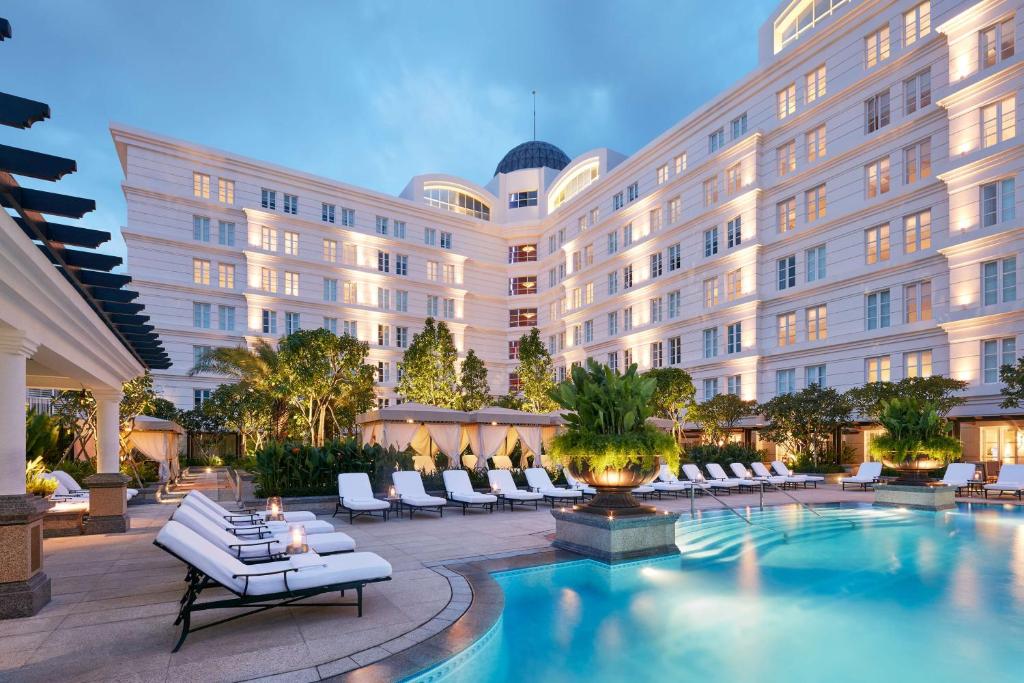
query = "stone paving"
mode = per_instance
[{"x": 115, "y": 598}]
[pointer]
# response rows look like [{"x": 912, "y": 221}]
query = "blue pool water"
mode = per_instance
[{"x": 864, "y": 595}]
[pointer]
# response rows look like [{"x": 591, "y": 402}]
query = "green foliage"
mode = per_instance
[
  {"x": 285, "y": 469},
  {"x": 717, "y": 415},
  {"x": 475, "y": 393},
  {"x": 429, "y": 367},
  {"x": 940, "y": 391},
  {"x": 606, "y": 425},
  {"x": 1012, "y": 377},
  {"x": 805, "y": 421},
  {"x": 536, "y": 374},
  {"x": 914, "y": 428},
  {"x": 724, "y": 454},
  {"x": 34, "y": 481},
  {"x": 826, "y": 465},
  {"x": 238, "y": 408},
  {"x": 674, "y": 394},
  {"x": 40, "y": 435}
]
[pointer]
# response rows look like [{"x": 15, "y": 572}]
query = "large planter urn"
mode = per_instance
[{"x": 614, "y": 486}]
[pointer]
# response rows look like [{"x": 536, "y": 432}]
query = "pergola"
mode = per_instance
[{"x": 490, "y": 432}]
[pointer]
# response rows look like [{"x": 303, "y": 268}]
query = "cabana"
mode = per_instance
[{"x": 157, "y": 439}]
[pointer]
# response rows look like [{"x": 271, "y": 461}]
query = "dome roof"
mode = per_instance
[{"x": 533, "y": 154}]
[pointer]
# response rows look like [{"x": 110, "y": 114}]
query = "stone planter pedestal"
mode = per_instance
[
  {"x": 615, "y": 539},
  {"x": 916, "y": 497},
  {"x": 108, "y": 506}
]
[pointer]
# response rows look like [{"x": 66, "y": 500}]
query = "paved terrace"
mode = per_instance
[{"x": 115, "y": 598}]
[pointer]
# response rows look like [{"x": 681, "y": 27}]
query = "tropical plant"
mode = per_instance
[
  {"x": 1012, "y": 377},
  {"x": 286, "y": 469},
  {"x": 40, "y": 435},
  {"x": 805, "y": 421},
  {"x": 719, "y": 414},
  {"x": 606, "y": 426},
  {"x": 674, "y": 395},
  {"x": 724, "y": 454},
  {"x": 536, "y": 374},
  {"x": 867, "y": 400},
  {"x": 429, "y": 367},
  {"x": 35, "y": 483},
  {"x": 474, "y": 392},
  {"x": 238, "y": 408},
  {"x": 914, "y": 428}
]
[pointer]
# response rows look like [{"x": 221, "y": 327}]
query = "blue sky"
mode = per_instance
[{"x": 369, "y": 93}]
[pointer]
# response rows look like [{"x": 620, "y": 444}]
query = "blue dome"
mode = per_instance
[{"x": 533, "y": 154}]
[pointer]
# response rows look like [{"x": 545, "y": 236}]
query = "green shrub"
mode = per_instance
[
  {"x": 34, "y": 481},
  {"x": 287, "y": 469},
  {"x": 823, "y": 465},
  {"x": 725, "y": 455}
]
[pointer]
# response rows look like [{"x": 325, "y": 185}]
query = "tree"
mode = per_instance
[
  {"x": 719, "y": 414},
  {"x": 536, "y": 374},
  {"x": 803, "y": 422},
  {"x": 674, "y": 395},
  {"x": 475, "y": 393},
  {"x": 240, "y": 409},
  {"x": 428, "y": 367},
  {"x": 867, "y": 400},
  {"x": 1012, "y": 377},
  {"x": 914, "y": 428}
]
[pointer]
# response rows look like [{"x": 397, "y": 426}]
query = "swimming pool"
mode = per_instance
[{"x": 864, "y": 594}]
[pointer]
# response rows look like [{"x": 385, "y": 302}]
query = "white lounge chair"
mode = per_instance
[
  {"x": 248, "y": 525},
  {"x": 693, "y": 473},
  {"x": 802, "y": 479},
  {"x": 74, "y": 490},
  {"x": 355, "y": 496},
  {"x": 538, "y": 480},
  {"x": 668, "y": 482},
  {"x": 866, "y": 477},
  {"x": 272, "y": 584},
  {"x": 409, "y": 488},
  {"x": 719, "y": 474},
  {"x": 460, "y": 490},
  {"x": 1010, "y": 480},
  {"x": 578, "y": 485},
  {"x": 959, "y": 475},
  {"x": 743, "y": 474},
  {"x": 504, "y": 487},
  {"x": 261, "y": 547},
  {"x": 762, "y": 473},
  {"x": 290, "y": 517}
]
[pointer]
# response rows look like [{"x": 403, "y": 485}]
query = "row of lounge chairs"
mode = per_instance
[{"x": 960, "y": 475}]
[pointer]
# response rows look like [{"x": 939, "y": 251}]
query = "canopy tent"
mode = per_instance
[{"x": 157, "y": 439}]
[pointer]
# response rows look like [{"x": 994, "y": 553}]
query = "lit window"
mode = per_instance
[
  {"x": 815, "y": 84},
  {"x": 815, "y": 140},
  {"x": 876, "y": 47},
  {"x": 785, "y": 215},
  {"x": 268, "y": 280},
  {"x": 291, "y": 284},
  {"x": 200, "y": 185},
  {"x": 786, "y": 326},
  {"x": 917, "y": 161},
  {"x": 661, "y": 174},
  {"x": 786, "y": 100},
  {"x": 876, "y": 243},
  {"x": 785, "y": 157},
  {"x": 917, "y": 231},
  {"x": 291, "y": 243},
  {"x": 917, "y": 301},
  {"x": 876, "y": 177},
  {"x": 710, "y": 292},
  {"x": 733, "y": 179},
  {"x": 814, "y": 203},
  {"x": 734, "y": 284},
  {"x": 226, "y": 276},
  {"x": 817, "y": 323},
  {"x": 200, "y": 271},
  {"x": 268, "y": 239},
  {"x": 998, "y": 122},
  {"x": 876, "y": 369},
  {"x": 916, "y": 24},
  {"x": 680, "y": 163},
  {"x": 711, "y": 191},
  {"x": 995, "y": 43},
  {"x": 917, "y": 364},
  {"x": 225, "y": 191},
  {"x": 456, "y": 201},
  {"x": 330, "y": 251}
]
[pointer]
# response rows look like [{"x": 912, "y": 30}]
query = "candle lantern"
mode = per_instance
[
  {"x": 275, "y": 509},
  {"x": 297, "y": 540}
]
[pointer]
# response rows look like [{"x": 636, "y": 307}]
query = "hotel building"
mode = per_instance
[{"x": 846, "y": 213}]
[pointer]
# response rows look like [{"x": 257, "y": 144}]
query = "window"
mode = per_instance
[
  {"x": 200, "y": 271},
  {"x": 613, "y": 242},
  {"x": 383, "y": 371},
  {"x": 433, "y": 305},
  {"x": 399, "y": 231},
  {"x": 675, "y": 212},
  {"x": 330, "y": 289},
  {"x": 226, "y": 233},
  {"x": 351, "y": 328},
  {"x": 268, "y": 198},
  {"x": 917, "y": 231},
  {"x": 291, "y": 322},
  {"x": 661, "y": 174},
  {"x": 734, "y": 232},
  {"x": 876, "y": 47},
  {"x": 588, "y": 331},
  {"x": 291, "y": 243},
  {"x": 521, "y": 199},
  {"x": 613, "y": 323},
  {"x": 383, "y": 335},
  {"x": 633, "y": 191},
  {"x": 997, "y": 201},
  {"x": 814, "y": 374},
  {"x": 786, "y": 270},
  {"x": 656, "y": 265},
  {"x": 814, "y": 203},
  {"x": 710, "y": 292},
  {"x": 627, "y": 234},
  {"x": 996, "y": 353},
  {"x": 226, "y": 318},
  {"x": 710, "y": 336},
  {"x": 876, "y": 369},
  {"x": 268, "y": 239},
  {"x": 656, "y": 309},
  {"x": 786, "y": 100},
  {"x": 876, "y": 244},
  {"x": 446, "y": 240},
  {"x": 917, "y": 364},
  {"x": 449, "y": 309},
  {"x": 348, "y": 218},
  {"x": 225, "y": 191},
  {"x": 734, "y": 338},
  {"x": 522, "y": 284},
  {"x": 291, "y": 204},
  {"x": 401, "y": 301},
  {"x": 738, "y": 126},
  {"x": 430, "y": 237},
  {"x": 998, "y": 122},
  {"x": 815, "y": 139},
  {"x": 201, "y": 316},
  {"x": 814, "y": 83},
  {"x": 716, "y": 141},
  {"x": 786, "y": 327},
  {"x": 710, "y": 387},
  {"x": 627, "y": 277},
  {"x": 383, "y": 261},
  {"x": 917, "y": 161},
  {"x": 291, "y": 284},
  {"x": 917, "y": 301},
  {"x": 594, "y": 214},
  {"x": 656, "y": 358},
  {"x": 522, "y": 253},
  {"x": 917, "y": 91},
  {"x": 733, "y": 179},
  {"x": 816, "y": 263},
  {"x": 999, "y": 281},
  {"x": 876, "y": 177},
  {"x": 876, "y": 112},
  {"x": 401, "y": 264},
  {"x": 734, "y": 384},
  {"x": 711, "y": 191},
  {"x": 995, "y": 43},
  {"x": 269, "y": 322},
  {"x": 350, "y": 293},
  {"x": 627, "y": 318},
  {"x": 785, "y": 215},
  {"x": 680, "y": 163},
  {"x": 675, "y": 351},
  {"x": 785, "y": 381},
  {"x": 327, "y": 214},
  {"x": 734, "y": 284},
  {"x": 817, "y": 323},
  {"x": 201, "y": 228},
  {"x": 330, "y": 251},
  {"x": 200, "y": 185},
  {"x": 613, "y": 282},
  {"x": 199, "y": 397},
  {"x": 226, "y": 276},
  {"x": 268, "y": 280},
  {"x": 674, "y": 298},
  {"x": 522, "y": 317},
  {"x": 785, "y": 157},
  {"x": 448, "y": 273},
  {"x": 711, "y": 241},
  {"x": 916, "y": 24},
  {"x": 627, "y": 358},
  {"x": 381, "y": 225},
  {"x": 877, "y": 313}
]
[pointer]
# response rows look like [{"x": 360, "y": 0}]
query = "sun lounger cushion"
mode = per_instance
[
  {"x": 355, "y": 492},
  {"x": 501, "y": 482},
  {"x": 456, "y": 482},
  {"x": 538, "y": 479},
  {"x": 409, "y": 486}
]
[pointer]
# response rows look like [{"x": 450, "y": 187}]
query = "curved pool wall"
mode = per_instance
[{"x": 862, "y": 594}]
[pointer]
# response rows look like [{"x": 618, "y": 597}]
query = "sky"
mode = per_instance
[{"x": 369, "y": 93}]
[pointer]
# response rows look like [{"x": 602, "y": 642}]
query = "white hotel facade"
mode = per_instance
[{"x": 846, "y": 213}]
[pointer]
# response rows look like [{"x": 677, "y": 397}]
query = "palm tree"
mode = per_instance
[{"x": 914, "y": 428}]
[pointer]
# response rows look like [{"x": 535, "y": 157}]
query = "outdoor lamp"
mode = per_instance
[
  {"x": 297, "y": 536},
  {"x": 391, "y": 492},
  {"x": 274, "y": 509}
]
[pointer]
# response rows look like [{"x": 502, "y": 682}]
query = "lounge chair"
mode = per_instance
[
  {"x": 577, "y": 485},
  {"x": 743, "y": 474},
  {"x": 1010, "y": 480},
  {"x": 72, "y": 489},
  {"x": 538, "y": 480},
  {"x": 718, "y": 474},
  {"x": 355, "y": 496},
  {"x": 273, "y": 584},
  {"x": 413, "y": 497},
  {"x": 866, "y": 477},
  {"x": 248, "y": 525},
  {"x": 802, "y": 479},
  {"x": 762, "y": 473},
  {"x": 261, "y": 547},
  {"x": 693, "y": 473},
  {"x": 252, "y": 514},
  {"x": 959, "y": 475},
  {"x": 460, "y": 490},
  {"x": 504, "y": 487},
  {"x": 668, "y": 482}
]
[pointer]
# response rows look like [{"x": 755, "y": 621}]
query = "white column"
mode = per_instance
[
  {"x": 15, "y": 350},
  {"x": 108, "y": 427}
]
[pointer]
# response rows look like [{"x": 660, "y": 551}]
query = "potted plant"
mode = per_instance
[
  {"x": 914, "y": 430},
  {"x": 607, "y": 442}
]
